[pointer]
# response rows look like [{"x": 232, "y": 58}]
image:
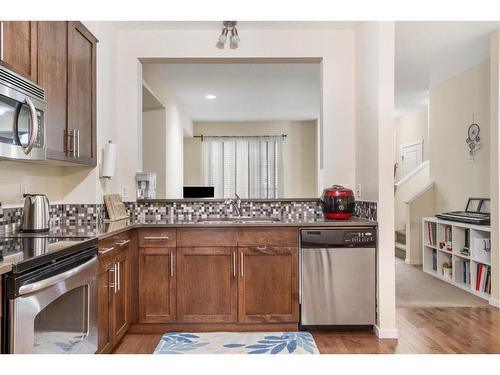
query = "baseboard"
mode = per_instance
[
  {"x": 385, "y": 333},
  {"x": 494, "y": 302},
  {"x": 413, "y": 262},
  {"x": 161, "y": 328}
]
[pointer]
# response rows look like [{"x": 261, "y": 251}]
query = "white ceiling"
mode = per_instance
[
  {"x": 429, "y": 53},
  {"x": 242, "y": 25},
  {"x": 245, "y": 92}
]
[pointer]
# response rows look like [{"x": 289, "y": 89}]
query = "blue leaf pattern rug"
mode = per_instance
[{"x": 237, "y": 343}]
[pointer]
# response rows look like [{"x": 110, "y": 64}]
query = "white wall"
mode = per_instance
[
  {"x": 154, "y": 153},
  {"x": 411, "y": 128},
  {"x": 335, "y": 47},
  {"x": 375, "y": 152},
  {"x": 452, "y": 106},
  {"x": 176, "y": 123},
  {"x": 299, "y": 152}
]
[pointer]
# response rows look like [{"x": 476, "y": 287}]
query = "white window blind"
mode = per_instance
[{"x": 252, "y": 167}]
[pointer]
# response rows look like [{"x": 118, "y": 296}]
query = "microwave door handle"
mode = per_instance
[
  {"x": 34, "y": 127},
  {"x": 42, "y": 284}
]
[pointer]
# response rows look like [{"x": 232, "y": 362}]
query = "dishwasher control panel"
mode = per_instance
[
  {"x": 346, "y": 237},
  {"x": 359, "y": 237}
]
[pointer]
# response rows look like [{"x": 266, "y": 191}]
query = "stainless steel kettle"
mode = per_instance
[{"x": 36, "y": 213}]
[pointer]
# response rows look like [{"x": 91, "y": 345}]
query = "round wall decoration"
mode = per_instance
[{"x": 473, "y": 138}]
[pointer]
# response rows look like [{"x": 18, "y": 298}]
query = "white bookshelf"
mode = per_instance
[{"x": 447, "y": 242}]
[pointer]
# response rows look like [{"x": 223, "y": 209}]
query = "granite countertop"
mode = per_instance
[{"x": 104, "y": 230}]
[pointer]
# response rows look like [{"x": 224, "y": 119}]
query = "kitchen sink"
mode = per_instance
[{"x": 239, "y": 220}]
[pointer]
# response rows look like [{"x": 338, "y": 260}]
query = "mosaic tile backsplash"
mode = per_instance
[{"x": 77, "y": 214}]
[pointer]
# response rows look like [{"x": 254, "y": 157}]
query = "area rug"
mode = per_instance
[{"x": 237, "y": 343}]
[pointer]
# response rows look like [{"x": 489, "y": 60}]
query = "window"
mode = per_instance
[{"x": 249, "y": 166}]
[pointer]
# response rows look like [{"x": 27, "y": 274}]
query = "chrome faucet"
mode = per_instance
[{"x": 236, "y": 203}]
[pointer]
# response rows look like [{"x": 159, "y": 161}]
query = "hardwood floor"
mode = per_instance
[{"x": 421, "y": 331}]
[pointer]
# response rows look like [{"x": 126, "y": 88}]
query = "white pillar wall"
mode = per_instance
[{"x": 495, "y": 166}]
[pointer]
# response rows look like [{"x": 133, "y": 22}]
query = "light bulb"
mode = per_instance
[
  {"x": 223, "y": 36},
  {"x": 235, "y": 39}
]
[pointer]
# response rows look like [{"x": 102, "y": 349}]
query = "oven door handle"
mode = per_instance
[{"x": 42, "y": 284}]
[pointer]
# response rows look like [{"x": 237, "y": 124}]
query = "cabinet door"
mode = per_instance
[
  {"x": 268, "y": 285},
  {"x": 81, "y": 93},
  {"x": 156, "y": 285},
  {"x": 105, "y": 285},
  {"x": 52, "y": 76},
  {"x": 207, "y": 285},
  {"x": 120, "y": 297},
  {"x": 18, "y": 47}
]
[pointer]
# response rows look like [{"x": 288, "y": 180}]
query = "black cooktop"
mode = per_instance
[{"x": 26, "y": 253}]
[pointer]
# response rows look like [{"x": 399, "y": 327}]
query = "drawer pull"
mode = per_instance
[
  {"x": 122, "y": 243},
  {"x": 233, "y": 256},
  {"x": 171, "y": 264},
  {"x": 158, "y": 238},
  {"x": 106, "y": 250},
  {"x": 263, "y": 247}
]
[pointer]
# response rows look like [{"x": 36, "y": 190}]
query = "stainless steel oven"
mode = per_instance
[
  {"x": 22, "y": 124},
  {"x": 52, "y": 308}
]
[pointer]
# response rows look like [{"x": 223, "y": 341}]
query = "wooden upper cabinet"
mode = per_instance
[
  {"x": 268, "y": 285},
  {"x": 53, "y": 77},
  {"x": 207, "y": 285},
  {"x": 81, "y": 93},
  {"x": 157, "y": 284},
  {"x": 18, "y": 47}
]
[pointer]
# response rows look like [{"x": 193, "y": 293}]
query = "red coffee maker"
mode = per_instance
[{"x": 337, "y": 202}]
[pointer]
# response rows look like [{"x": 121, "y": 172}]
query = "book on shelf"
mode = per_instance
[
  {"x": 462, "y": 271},
  {"x": 483, "y": 278},
  {"x": 434, "y": 260},
  {"x": 431, "y": 233}
]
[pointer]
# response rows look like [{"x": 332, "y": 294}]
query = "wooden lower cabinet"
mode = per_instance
[
  {"x": 268, "y": 285},
  {"x": 207, "y": 285},
  {"x": 157, "y": 284},
  {"x": 105, "y": 279},
  {"x": 120, "y": 301},
  {"x": 112, "y": 296}
]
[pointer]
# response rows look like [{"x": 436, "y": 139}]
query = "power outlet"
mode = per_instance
[
  {"x": 124, "y": 192},
  {"x": 358, "y": 190}
]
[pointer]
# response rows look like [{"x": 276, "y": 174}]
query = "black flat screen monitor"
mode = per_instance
[{"x": 198, "y": 191}]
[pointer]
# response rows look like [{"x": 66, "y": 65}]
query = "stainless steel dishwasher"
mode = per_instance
[{"x": 337, "y": 277}]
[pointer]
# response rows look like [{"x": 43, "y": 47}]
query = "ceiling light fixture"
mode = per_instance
[
  {"x": 210, "y": 96},
  {"x": 228, "y": 26}
]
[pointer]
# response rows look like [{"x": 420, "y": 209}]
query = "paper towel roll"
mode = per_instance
[{"x": 109, "y": 160}]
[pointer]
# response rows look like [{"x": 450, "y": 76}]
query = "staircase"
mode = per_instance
[{"x": 400, "y": 247}]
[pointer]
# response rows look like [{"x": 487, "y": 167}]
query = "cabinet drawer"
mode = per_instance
[
  {"x": 287, "y": 237},
  {"x": 157, "y": 237},
  {"x": 196, "y": 237},
  {"x": 109, "y": 247}
]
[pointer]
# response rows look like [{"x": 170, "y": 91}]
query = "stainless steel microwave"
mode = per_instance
[{"x": 22, "y": 111}]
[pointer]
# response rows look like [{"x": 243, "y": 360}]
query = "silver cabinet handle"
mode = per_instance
[
  {"x": 34, "y": 126},
  {"x": 171, "y": 264},
  {"x": 233, "y": 258},
  {"x": 115, "y": 273},
  {"x": 113, "y": 286},
  {"x": 42, "y": 284},
  {"x": 160, "y": 238},
  {"x": 74, "y": 142},
  {"x": 263, "y": 247},
  {"x": 242, "y": 264},
  {"x": 119, "y": 275},
  {"x": 121, "y": 243},
  {"x": 78, "y": 143},
  {"x": 106, "y": 250}
]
